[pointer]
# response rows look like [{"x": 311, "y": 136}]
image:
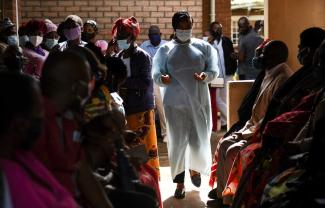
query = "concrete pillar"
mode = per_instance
[{"x": 286, "y": 19}]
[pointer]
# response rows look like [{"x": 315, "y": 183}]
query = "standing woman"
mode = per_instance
[
  {"x": 184, "y": 67},
  {"x": 36, "y": 55},
  {"x": 137, "y": 91}
]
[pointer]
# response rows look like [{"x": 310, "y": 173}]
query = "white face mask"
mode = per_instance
[
  {"x": 123, "y": 44},
  {"x": 35, "y": 40},
  {"x": 183, "y": 35}
]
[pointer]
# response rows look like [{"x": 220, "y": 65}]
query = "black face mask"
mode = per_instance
[
  {"x": 32, "y": 134},
  {"x": 87, "y": 36},
  {"x": 215, "y": 34}
]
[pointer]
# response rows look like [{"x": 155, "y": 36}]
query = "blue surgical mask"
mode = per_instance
[
  {"x": 183, "y": 35},
  {"x": 123, "y": 44},
  {"x": 155, "y": 39},
  {"x": 50, "y": 43},
  {"x": 12, "y": 40}
]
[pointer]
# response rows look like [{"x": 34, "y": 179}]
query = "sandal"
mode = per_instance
[
  {"x": 195, "y": 178},
  {"x": 179, "y": 193}
]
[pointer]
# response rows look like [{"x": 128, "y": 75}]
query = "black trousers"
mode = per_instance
[
  {"x": 179, "y": 178},
  {"x": 241, "y": 76}
]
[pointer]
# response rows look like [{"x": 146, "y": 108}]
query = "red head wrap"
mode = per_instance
[
  {"x": 130, "y": 26},
  {"x": 35, "y": 25}
]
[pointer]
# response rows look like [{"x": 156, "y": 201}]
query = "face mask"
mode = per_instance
[
  {"x": 257, "y": 62},
  {"x": 50, "y": 43},
  {"x": 183, "y": 35},
  {"x": 73, "y": 33},
  {"x": 35, "y": 40},
  {"x": 32, "y": 134},
  {"x": 123, "y": 44},
  {"x": 155, "y": 39},
  {"x": 215, "y": 34},
  {"x": 12, "y": 40},
  {"x": 87, "y": 36}
]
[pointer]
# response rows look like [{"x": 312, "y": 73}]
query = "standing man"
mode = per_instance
[
  {"x": 185, "y": 66},
  {"x": 248, "y": 42},
  {"x": 151, "y": 46},
  {"x": 227, "y": 66}
]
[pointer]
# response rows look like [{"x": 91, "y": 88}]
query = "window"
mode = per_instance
[{"x": 234, "y": 32}]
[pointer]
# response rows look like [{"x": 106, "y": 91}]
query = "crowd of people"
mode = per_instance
[{"x": 77, "y": 125}]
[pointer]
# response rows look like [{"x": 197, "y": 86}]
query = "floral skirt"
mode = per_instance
[{"x": 143, "y": 124}]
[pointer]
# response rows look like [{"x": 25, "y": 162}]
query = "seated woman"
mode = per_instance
[
  {"x": 28, "y": 182},
  {"x": 104, "y": 148}
]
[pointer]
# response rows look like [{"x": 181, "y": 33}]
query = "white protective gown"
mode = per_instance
[{"x": 187, "y": 102}]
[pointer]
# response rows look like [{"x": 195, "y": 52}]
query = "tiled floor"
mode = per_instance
[{"x": 195, "y": 197}]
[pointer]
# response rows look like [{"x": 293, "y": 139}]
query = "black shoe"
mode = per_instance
[
  {"x": 179, "y": 193},
  {"x": 213, "y": 194},
  {"x": 215, "y": 203},
  {"x": 196, "y": 180}
]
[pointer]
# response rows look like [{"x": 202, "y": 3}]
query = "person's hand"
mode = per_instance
[
  {"x": 112, "y": 47},
  {"x": 200, "y": 76},
  {"x": 166, "y": 79}
]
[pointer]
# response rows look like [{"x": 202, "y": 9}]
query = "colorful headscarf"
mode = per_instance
[{"x": 129, "y": 25}]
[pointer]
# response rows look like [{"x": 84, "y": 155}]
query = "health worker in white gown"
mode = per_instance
[{"x": 185, "y": 66}]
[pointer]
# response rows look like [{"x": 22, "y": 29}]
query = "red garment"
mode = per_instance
[
  {"x": 31, "y": 185},
  {"x": 149, "y": 177},
  {"x": 214, "y": 108},
  {"x": 56, "y": 148}
]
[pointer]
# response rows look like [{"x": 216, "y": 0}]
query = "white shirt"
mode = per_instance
[
  {"x": 151, "y": 49},
  {"x": 221, "y": 62}
]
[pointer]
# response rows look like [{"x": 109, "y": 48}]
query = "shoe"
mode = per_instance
[
  {"x": 179, "y": 193},
  {"x": 213, "y": 194},
  {"x": 216, "y": 203},
  {"x": 196, "y": 179}
]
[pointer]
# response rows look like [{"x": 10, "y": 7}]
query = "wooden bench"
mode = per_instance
[{"x": 237, "y": 90}]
